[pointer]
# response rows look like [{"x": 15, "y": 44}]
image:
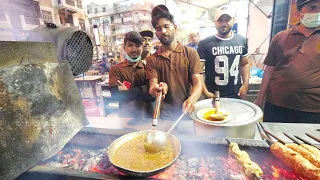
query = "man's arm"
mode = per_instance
[
  {"x": 264, "y": 85},
  {"x": 188, "y": 105},
  {"x": 245, "y": 74},
  {"x": 152, "y": 75},
  {"x": 156, "y": 88},
  {"x": 205, "y": 91},
  {"x": 120, "y": 92}
]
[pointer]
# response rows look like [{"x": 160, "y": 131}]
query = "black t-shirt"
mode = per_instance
[{"x": 222, "y": 57}]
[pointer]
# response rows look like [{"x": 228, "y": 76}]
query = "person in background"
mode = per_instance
[
  {"x": 291, "y": 80},
  {"x": 223, "y": 54},
  {"x": 104, "y": 57},
  {"x": 147, "y": 36},
  {"x": 127, "y": 81},
  {"x": 194, "y": 38},
  {"x": 104, "y": 64},
  {"x": 174, "y": 69}
]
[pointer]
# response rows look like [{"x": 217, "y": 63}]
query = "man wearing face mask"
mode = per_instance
[
  {"x": 223, "y": 55},
  {"x": 127, "y": 81},
  {"x": 291, "y": 81},
  {"x": 147, "y": 36}
]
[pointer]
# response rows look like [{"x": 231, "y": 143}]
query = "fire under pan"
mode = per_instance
[{"x": 84, "y": 157}]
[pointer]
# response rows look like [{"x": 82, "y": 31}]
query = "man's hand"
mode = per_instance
[
  {"x": 121, "y": 86},
  {"x": 243, "y": 90},
  {"x": 188, "y": 105},
  {"x": 157, "y": 88},
  {"x": 259, "y": 101},
  {"x": 209, "y": 95}
]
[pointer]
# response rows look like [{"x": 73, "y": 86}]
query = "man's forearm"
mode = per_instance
[
  {"x": 265, "y": 81},
  {"x": 245, "y": 73},
  {"x": 197, "y": 87},
  {"x": 204, "y": 87},
  {"x": 152, "y": 83}
]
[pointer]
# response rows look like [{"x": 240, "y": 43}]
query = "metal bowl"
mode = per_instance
[
  {"x": 242, "y": 125},
  {"x": 121, "y": 140}
]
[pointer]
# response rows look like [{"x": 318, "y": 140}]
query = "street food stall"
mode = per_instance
[
  {"x": 45, "y": 134},
  {"x": 86, "y": 155},
  {"x": 48, "y": 141}
]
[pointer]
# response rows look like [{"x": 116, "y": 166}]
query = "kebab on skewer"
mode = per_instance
[
  {"x": 295, "y": 161},
  {"x": 251, "y": 169},
  {"x": 291, "y": 158},
  {"x": 311, "y": 149},
  {"x": 309, "y": 154},
  {"x": 315, "y": 160}
]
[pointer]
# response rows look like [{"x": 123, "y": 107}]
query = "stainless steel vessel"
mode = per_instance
[
  {"x": 121, "y": 140},
  {"x": 242, "y": 125}
]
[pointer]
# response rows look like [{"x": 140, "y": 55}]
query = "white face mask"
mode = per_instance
[
  {"x": 311, "y": 20},
  {"x": 133, "y": 60}
]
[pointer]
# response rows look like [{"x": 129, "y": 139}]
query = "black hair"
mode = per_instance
[
  {"x": 134, "y": 37},
  {"x": 162, "y": 14},
  {"x": 301, "y": 3},
  {"x": 299, "y": 7}
]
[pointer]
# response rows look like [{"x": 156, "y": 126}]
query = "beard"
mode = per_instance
[
  {"x": 147, "y": 48},
  {"x": 224, "y": 31},
  {"x": 166, "y": 40}
]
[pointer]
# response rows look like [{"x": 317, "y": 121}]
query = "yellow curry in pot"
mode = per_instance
[{"x": 132, "y": 155}]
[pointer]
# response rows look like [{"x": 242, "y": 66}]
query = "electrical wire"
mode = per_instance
[{"x": 257, "y": 49}]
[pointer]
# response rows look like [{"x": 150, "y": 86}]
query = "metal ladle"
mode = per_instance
[{"x": 157, "y": 141}]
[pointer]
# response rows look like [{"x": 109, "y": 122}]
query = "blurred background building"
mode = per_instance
[
  {"x": 19, "y": 17},
  {"x": 113, "y": 21}
]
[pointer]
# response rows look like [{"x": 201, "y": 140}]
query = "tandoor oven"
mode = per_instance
[{"x": 85, "y": 157}]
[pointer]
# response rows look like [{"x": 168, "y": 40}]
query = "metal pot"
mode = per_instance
[
  {"x": 242, "y": 125},
  {"x": 121, "y": 140}
]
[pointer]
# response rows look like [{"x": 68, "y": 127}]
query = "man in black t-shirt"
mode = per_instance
[{"x": 224, "y": 58}]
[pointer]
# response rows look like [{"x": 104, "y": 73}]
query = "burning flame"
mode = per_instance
[
  {"x": 184, "y": 167},
  {"x": 276, "y": 172}
]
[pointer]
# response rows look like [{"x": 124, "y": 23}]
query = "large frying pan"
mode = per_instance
[{"x": 121, "y": 140}]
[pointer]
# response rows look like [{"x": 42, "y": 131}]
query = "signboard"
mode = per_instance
[{"x": 294, "y": 14}]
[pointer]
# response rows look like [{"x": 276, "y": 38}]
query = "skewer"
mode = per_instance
[
  {"x": 264, "y": 136},
  {"x": 227, "y": 138},
  {"x": 305, "y": 141},
  {"x": 255, "y": 175},
  {"x": 263, "y": 128},
  {"x": 276, "y": 137},
  {"x": 292, "y": 138},
  {"x": 313, "y": 137}
]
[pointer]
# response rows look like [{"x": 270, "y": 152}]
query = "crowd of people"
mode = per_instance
[{"x": 291, "y": 82}]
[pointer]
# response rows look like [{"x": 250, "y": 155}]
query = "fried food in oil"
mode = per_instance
[{"x": 132, "y": 155}]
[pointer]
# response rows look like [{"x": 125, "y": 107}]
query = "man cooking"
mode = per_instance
[
  {"x": 291, "y": 80},
  {"x": 127, "y": 81},
  {"x": 147, "y": 36},
  {"x": 223, "y": 54},
  {"x": 173, "y": 68}
]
